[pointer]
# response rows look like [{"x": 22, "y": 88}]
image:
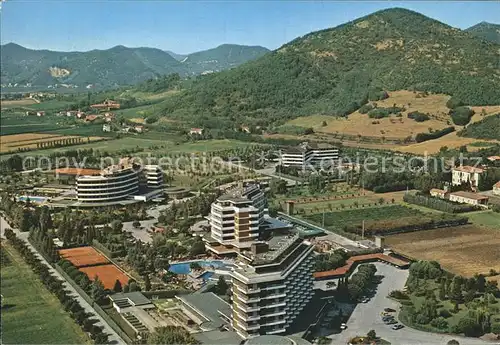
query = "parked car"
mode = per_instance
[
  {"x": 389, "y": 310},
  {"x": 398, "y": 326},
  {"x": 365, "y": 300},
  {"x": 391, "y": 322},
  {"x": 343, "y": 326}
]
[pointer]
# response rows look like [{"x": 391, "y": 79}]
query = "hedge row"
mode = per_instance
[{"x": 438, "y": 204}]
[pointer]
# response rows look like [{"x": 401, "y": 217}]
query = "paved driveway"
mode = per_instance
[{"x": 366, "y": 316}]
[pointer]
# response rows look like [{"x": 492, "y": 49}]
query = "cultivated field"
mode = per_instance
[
  {"x": 83, "y": 256},
  {"x": 30, "y": 313},
  {"x": 17, "y": 103},
  {"x": 108, "y": 274},
  {"x": 15, "y": 142},
  {"x": 464, "y": 250}
]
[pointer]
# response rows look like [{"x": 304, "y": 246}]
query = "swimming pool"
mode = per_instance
[
  {"x": 37, "y": 199},
  {"x": 184, "y": 267}
]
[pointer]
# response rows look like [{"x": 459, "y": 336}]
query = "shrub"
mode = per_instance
[
  {"x": 421, "y": 137},
  {"x": 365, "y": 108},
  {"x": 418, "y": 116},
  {"x": 440, "y": 323},
  {"x": 445, "y": 313},
  {"x": 461, "y": 115},
  {"x": 397, "y": 294}
]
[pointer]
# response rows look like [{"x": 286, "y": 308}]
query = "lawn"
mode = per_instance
[
  {"x": 31, "y": 314},
  {"x": 487, "y": 219}
]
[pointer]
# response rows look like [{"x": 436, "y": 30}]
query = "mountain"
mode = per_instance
[
  {"x": 487, "y": 31},
  {"x": 222, "y": 57},
  {"x": 334, "y": 72},
  {"x": 116, "y": 66},
  {"x": 178, "y": 57}
]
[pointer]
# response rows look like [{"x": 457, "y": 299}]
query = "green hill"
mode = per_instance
[
  {"x": 222, "y": 57},
  {"x": 487, "y": 31},
  {"x": 488, "y": 128},
  {"x": 116, "y": 66},
  {"x": 333, "y": 71}
]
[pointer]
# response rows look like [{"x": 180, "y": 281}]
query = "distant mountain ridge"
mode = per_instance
[
  {"x": 487, "y": 31},
  {"x": 115, "y": 66}
]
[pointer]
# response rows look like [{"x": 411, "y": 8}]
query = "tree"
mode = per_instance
[
  {"x": 136, "y": 224},
  {"x": 372, "y": 335},
  {"x": 147, "y": 283},
  {"x": 132, "y": 286},
  {"x": 116, "y": 226},
  {"x": 198, "y": 247},
  {"x": 221, "y": 286},
  {"x": 101, "y": 338},
  {"x": 453, "y": 342},
  {"x": 171, "y": 335},
  {"x": 97, "y": 289},
  {"x": 118, "y": 286}
]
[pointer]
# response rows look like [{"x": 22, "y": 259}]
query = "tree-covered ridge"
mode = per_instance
[
  {"x": 488, "y": 128},
  {"x": 332, "y": 71},
  {"x": 115, "y": 66},
  {"x": 487, "y": 31}
]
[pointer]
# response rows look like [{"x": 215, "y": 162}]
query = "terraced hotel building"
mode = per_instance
[{"x": 271, "y": 285}]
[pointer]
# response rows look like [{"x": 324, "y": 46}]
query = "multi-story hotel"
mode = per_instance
[
  {"x": 236, "y": 218},
  {"x": 153, "y": 176},
  {"x": 116, "y": 183},
  {"x": 271, "y": 285},
  {"x": 309, "y": 154}
]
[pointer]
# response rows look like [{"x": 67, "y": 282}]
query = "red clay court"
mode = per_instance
[
  {"x": 108, "y": 274},
  {"x": 83, "y": 256}
]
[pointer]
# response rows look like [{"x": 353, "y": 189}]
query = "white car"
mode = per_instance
[{"x": 343, "y": 326}]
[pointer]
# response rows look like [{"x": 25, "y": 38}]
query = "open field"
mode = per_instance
[
  {"x": 452, "y": 141},
  {"x": 108, "y": 274},
  {"x": 390, "y": 127},
  {"x": 30, "y": 313},
  {"x": 7, "y": 104},
  {"x": 464, "y": 250},
  {"x": 15, "y": 142},
  {"x": 83, "y": 256},
  {"x": 488, "y": 109},
  {"x": 488, "y": 219}
]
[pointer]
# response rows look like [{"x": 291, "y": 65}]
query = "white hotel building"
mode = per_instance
[
  {"x": 236, "y": 217},
  {"x": 116, "y": 183},
  {"x": 309, "y": 154},
  {"x": 271, "y": 285}
]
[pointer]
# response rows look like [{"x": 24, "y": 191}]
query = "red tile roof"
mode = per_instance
[
  {"x": 355, "y": 260},
  {"x": 469, "y": 195},
  {"x": 469, "y": 169}
]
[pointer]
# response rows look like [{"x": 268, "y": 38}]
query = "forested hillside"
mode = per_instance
[
  {"x": 487, "y": 31},
  {"x": 334, "y": 71},
  {"x": 116, "y": 66},
  {"x": 488, "y": 128}
]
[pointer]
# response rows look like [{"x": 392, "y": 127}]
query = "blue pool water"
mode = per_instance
[
  {"x": 206, "y": 275},
  {"x": 183, "y": 267},
  {"x": 39, "y": 199}
]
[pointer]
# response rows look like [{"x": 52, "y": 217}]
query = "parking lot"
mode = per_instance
[{"x": 366, "y": 316}]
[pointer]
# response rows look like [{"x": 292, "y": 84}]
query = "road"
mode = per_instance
[
  {"x": 366, "y": 316},
  {"x": 114, "y": 338}
]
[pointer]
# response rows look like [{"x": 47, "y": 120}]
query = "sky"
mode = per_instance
[{"x": 191, "y": 25}]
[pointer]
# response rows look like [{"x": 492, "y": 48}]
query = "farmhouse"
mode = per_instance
[
  {"x": 139, "y": 129},
  {"x": 106, "y": 105},
  {"x": 40, "y": 113},
  {"x": 496, "y": 188},
  {"x": 494, "y": 158},
  {"x": 90, "y": 118},
  {"x": 198, "y": 131},
  {"x": 466, "y": 174},
  {"x": 469, "y": 198}
]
